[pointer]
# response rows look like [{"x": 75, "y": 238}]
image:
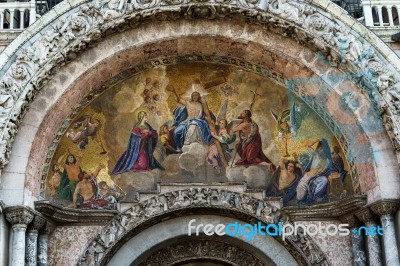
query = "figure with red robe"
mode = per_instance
[{"x": 249, "y": 147}]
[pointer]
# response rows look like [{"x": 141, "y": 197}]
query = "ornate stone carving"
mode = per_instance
[
  {"x": 19, "y": 215},
  {"x": 385, "y": 207},
  {"x": 308, "y": 248},
  {"x": 79, "y": 28},
  {"x": 365, "y": 216},
  {"x": 98, "y": 251},
  {"x": 48, "y": 228},
  {"x": 351, "y": 220},
  {"x": 198, "y": 249},
  {"x": 37, "y": 223}
]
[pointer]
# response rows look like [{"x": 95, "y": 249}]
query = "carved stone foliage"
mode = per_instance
[
  {"x": 37, "y": 223},
  {"x": 106, "y": 242},
  {"x": 201, "y": 249},
  {"x": 78, "y": 29},
  {"x": 385, "y": 207},
  {"x": 19, "y": 215}
]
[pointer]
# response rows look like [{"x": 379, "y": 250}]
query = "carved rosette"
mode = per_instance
[
  {"x": 103, "y": 245},
  {"x": 79, "y": 28},
  {"x": 19, "y": 216},
  {"x": 385, "y": 207}
]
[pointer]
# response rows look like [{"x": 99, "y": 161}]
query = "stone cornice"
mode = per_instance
[
  {"x": 327, "y": 211},
  {"x": 62, "y": 215},
  {"x": 385, "y": 207}
]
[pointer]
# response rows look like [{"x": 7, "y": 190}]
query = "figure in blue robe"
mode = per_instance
[
  {"x": 139, "y": 154},
  {"x": 188, "y": 130},
  {"x": 313, "y": 185}
]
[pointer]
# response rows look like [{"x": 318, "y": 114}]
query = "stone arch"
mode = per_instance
[
  {"x": 308, "y": 24},
  {"x": 142, "y": 222}
]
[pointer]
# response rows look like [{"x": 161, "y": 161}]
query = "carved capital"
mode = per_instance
[
  {"x": 37, "y": 223},
  {"x": 385, "y": 207},
  {"x": 48, "y": 228},
  {"x": 19, "y": 215},
  {"x": 365, "y": 216},
  {"x": 351, "y": 220}
]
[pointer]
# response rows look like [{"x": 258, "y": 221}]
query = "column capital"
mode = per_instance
[
  {"x": 385, "y": 207},
  {"x": 351, "y": 220},
  {"x": 48, "y": 228},
  {"x": 19, "y": 215},
  {"x": 365, "y": 216},
  {"x": 38, "y": 222}
]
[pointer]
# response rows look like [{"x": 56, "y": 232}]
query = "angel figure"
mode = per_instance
[{"x": 224, "y": 138}]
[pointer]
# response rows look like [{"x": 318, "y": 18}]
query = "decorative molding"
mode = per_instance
[
  {"x": 80, "y": 27},
  {"x": 201, "y": 249},
  {"x": 166, "y": 205},
  {"x": 385, "y": 207},
  {"x": 19, "y": 215},
  {"x": 327, "y": 211},
  {"x": 351, "y": 220},
  {"x": 366, "y": 216},
  {"x": 63, "y": 215}
]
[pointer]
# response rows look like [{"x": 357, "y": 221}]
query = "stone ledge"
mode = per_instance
[
  {"x": 328, "y": 211},
  {"x": 68, "y": 216}
]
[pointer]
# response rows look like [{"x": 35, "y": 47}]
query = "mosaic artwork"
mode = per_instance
[{"x": 196, "y": 123}]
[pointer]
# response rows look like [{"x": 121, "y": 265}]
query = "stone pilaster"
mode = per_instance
[
  {"x": 357, "y": 241},
  {"x": 44, "y": 242},
  {"x": 32, "y": 240},
  {"x": 19, "y": 217},
  {"x": 386, "y": 210}
]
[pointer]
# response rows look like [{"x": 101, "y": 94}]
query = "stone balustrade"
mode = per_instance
[{"x": 17, "y": 15}]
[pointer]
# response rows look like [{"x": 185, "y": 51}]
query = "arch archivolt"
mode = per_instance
[
  {"x": 112, "y": 244},
  {"x": 341, "y": 50}
]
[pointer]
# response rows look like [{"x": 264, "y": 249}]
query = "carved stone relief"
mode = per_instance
[{"x": 111, "y": 236}]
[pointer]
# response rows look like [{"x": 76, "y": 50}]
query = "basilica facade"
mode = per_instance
[{"x": 131, "y": 129}]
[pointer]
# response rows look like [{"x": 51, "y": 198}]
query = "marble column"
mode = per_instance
[
  {"x": 357, "y": 241},
  {"x": 32, "y": 240},
  {"x": 43, "y": 243},
  {"x": 19, "y": 217},
  {"x": 373, "y": 243},
  {"x": 386, "y": 210}
]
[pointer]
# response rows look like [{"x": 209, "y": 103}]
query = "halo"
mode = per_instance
[{"x": 195, "y": 87}]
